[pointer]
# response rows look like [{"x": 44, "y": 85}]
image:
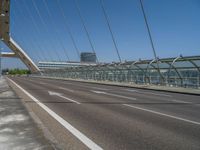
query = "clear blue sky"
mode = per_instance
[{"x": 175, "y": 26}]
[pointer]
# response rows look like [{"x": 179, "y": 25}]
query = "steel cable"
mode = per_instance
[
  {"x": 33, "y": 41},
  {"x": 45, "y": 27},
  {"x": 110, "y": 29},
  {"x": 150, "y": 36},
  {"x": 68, "y": 28},
  {"x": 56, "y": 31},
  {"x": 41, "y": 47},
  {"x": 18, "y": 38},
  {"x": 85, "y": 28}
]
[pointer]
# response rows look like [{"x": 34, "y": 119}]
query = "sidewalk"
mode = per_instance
[{"x": 17, "y": 129}]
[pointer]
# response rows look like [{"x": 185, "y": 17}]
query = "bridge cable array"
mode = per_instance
[
  {"x": 85, "y": 28},
  {"x": 68, "y": 28},
  {"x": 46, "y": 29},
  {"x": 110, "y": 29},
  {"x": 36, "y": 56},
  {"x": 38, "y": 33},
  {"x": 37, "y": 28},
  {"x": 56, "y": 31},
  {"x": 37, "y": 47}
]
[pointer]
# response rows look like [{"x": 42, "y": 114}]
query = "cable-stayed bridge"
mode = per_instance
[
  {"x": 83, "y": 101},
  {"x": 175, "y": 71}
]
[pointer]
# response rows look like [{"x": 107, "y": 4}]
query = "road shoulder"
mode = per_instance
[{"x": 18, "y": 129}]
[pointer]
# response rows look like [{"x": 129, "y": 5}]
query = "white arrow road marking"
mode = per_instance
[
  {"x": 162, "y": 114},
  {"x": 84, "y": 139},
  {"x": 110, "y": 94},
  {"x": 60, "y": 95}
]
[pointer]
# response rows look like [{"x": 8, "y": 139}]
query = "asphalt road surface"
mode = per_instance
[{"x": 112, "y": 118}]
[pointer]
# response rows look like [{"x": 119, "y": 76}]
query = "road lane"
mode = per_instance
[
  {"x": 115, "y": 126},
  {"x": 184, "y": 97},
  {"x": 84, "y": 139},
  {"x": 160, "y": 104}
]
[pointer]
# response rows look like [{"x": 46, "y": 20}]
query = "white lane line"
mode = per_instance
[
  {"x": 157, "y": 94},
  {"x": 115, "y": 95},
  {"x": 84, "y": 86},
  {"x": 84, "y": 139},
  {"x": 180, "y": 101},
  {"x": 162, "y": 114},
  {"x": 62, "y": 88},
  {"x": 60, "y": 95},
  {"x": 172, "y": 100},
  {"x": 99, "y": 88},
  {"x": 40, "y": 82},
  {"x": 66, "y": 89},
  {"x": 98, "y": 92},
  {"x": 93, "y": 87}
]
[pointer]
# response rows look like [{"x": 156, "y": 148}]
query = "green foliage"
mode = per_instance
[{"x": 18, "y": 72}]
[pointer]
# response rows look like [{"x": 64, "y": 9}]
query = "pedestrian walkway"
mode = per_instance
[{"x": 17, "y": 129}]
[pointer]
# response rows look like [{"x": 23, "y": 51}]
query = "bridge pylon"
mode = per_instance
[{"x": 9, "y": 41}]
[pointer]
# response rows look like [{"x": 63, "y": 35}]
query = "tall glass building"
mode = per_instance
[{"x": 88, "y": 57}]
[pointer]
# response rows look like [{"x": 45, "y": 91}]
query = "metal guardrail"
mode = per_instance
[{"x": 180, "y": 72}]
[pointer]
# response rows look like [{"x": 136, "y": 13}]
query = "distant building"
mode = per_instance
[
  {"x": 60, "y": 65},
  {"x": 88, "y": 57}
]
